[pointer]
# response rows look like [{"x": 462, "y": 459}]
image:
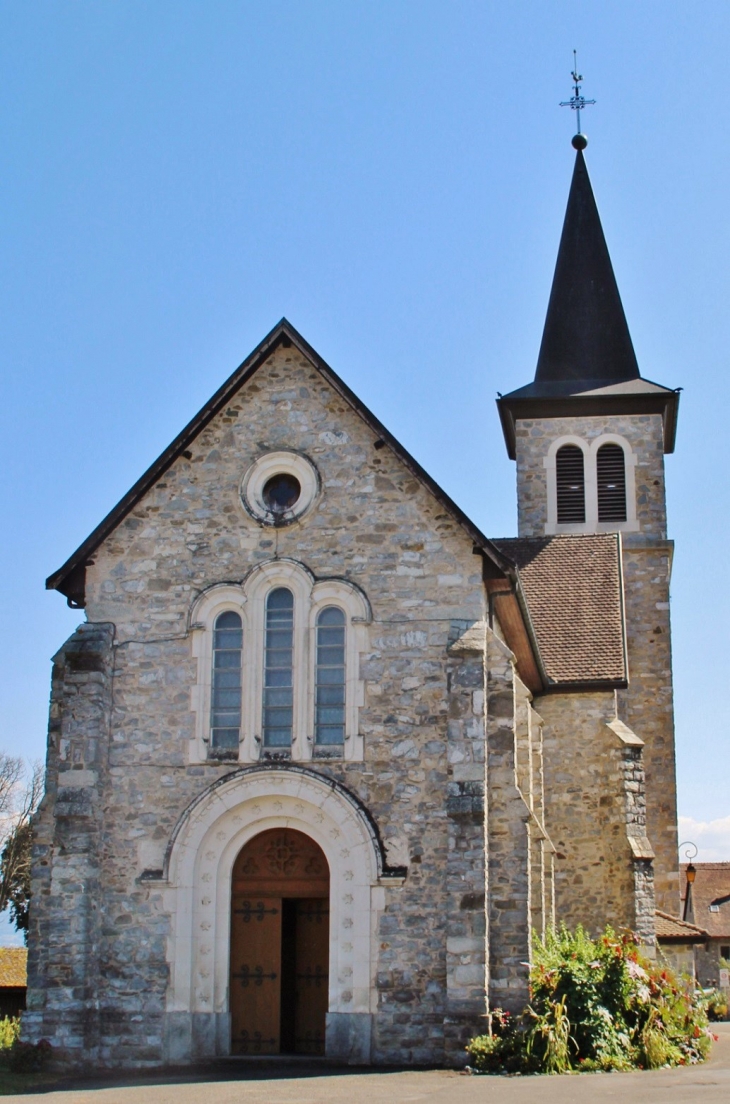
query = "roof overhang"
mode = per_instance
[
  {"x": 521, "y": 405},
  {"x": 70, "y": 578}
]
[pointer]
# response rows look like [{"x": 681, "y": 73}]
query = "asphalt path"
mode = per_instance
[{"x": 293, "y": 1083}]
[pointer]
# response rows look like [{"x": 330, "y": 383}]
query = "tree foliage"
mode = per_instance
[{"x": 21, "y": 790}]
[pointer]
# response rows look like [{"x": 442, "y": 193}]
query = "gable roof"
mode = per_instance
[
  {"x": 13, "y": 967},
  {"x": 70, "y": 578},
  {"x": 711, "y": 888},
  {"x": 574, "y": 590}
]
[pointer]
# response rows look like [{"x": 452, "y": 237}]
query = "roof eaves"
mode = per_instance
[
  {"x": 283, "y": 331},
  {"x": 514, "y": 406}
]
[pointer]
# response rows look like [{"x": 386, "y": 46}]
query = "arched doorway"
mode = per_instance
[{"x": 279, "y": 976}]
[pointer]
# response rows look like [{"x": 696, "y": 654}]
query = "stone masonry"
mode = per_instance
[
  {"x": 487, "y": 810},
  {"x": 646, "y": 706},
  {"x": 127, "y": 771}
]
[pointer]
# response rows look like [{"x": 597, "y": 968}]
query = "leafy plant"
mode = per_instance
[
  {"x": 596, "y": 1004},
  {"x": 549, "y": 1037},
  {"x": 9, "y": 1031},
  {"x": 28, "y": 1057},
  {"x": 716, "y": 1004}
]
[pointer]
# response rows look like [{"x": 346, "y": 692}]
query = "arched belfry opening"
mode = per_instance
[{"x": 279, "y": 975}]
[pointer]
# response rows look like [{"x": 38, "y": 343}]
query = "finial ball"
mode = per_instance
[{"x": 580, "y": 141}]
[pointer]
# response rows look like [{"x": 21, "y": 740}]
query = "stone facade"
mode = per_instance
[
  {"x": 457, "y": 818},
  {"x": 120, "y": 773}
]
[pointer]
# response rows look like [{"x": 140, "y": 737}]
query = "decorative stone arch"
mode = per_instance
[
  {"x": 248, "y": 599},
  {"x": 197, "y": 896},
  {"x": 590, "y": 453}
]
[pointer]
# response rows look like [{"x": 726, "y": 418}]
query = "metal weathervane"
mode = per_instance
[{"x": 577, "y": 101}]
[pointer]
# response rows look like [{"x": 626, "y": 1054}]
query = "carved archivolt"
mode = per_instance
[{"x": 200, "y": 863}]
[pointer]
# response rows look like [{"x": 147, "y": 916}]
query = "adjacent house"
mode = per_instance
[{"x": 706, "y": 903}]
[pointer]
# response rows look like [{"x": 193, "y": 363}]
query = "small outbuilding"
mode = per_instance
[
  {"x": 677, "y": 940},
  {"x": 13, "y": 980}
]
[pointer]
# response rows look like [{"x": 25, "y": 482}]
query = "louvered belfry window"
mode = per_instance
[
  {"x": 611, "y": 477},
  {"x": 570, "y": 484}
]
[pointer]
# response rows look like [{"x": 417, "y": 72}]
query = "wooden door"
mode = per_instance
[
  {"x": 279, "y": 945},
  {"x": 312, "y": 974},
  {"x": 255, "y": 975}
]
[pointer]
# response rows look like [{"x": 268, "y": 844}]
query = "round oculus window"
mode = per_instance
[
  {"x": 281, "y": 492},
  {"x": 280, "y": 487}
]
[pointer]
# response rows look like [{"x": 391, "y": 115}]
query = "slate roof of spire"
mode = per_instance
[
  {"x": 586, "y": 336},
  {"x": 587, "y": 364}
]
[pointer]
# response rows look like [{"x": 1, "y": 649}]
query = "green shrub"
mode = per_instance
[
  {"x": 596, "y": 1005},
  {"x": 9, "y": 1031},
  {"x": 716, "y": 1004},
  {"x": 28, "y": 1057}
]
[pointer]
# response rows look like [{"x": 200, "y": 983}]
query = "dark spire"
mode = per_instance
[{"x": 586, "y": 337}]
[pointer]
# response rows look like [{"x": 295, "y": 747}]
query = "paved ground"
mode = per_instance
[{"x": 705, "y": 1084}]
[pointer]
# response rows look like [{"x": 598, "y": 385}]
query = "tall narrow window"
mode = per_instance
[
  {"x": 570, "y": 485},
  {"x": 329, "y": 726},
  {"x": 611, "y": 478},
  {"x": 225, "y": 706},
  {"x": 278, "y": 669}
]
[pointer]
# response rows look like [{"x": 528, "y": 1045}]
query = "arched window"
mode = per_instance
[
  {"x": 329, "y": 703},
  {"x": 225, "y": 706},
  {"x": 570, "y": 480},
  {"x": 278, "y": 704},
  {"x": 611, "y": 479}
]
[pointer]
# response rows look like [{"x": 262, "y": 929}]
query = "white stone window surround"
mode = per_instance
[
  {"x": 196, "y": 883},
  {"x": 590, "y": 453},
  {"x": 248, "y": 599},
  {"x": 283, "y": 462}
]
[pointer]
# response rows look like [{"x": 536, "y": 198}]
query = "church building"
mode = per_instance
[{"x": 322, "y": 755}]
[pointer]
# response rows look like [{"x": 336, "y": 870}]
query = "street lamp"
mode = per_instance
[{"x": 691, "y": 874}]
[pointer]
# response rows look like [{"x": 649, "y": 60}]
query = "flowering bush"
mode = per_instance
[{"x": 595, "y": 1005}]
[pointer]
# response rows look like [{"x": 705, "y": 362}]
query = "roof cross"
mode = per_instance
[{"x": 577, "y": 101}]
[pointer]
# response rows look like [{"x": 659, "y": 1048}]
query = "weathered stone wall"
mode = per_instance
[
  {"x": 519, "y": 850},
  {"x": 586, "y": 811},
  {"x": 647, "y": 705},
  {"x": 66, "y": 932},
  {"x": 422, "y": 719},
  {"x": 643, "y": 433},
  {"x": 707, "y": 961}
]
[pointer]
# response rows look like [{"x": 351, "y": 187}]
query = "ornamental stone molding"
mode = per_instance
[{"x": 197, "y": 889}]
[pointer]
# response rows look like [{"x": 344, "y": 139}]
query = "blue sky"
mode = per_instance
[{"x": 392, "y": 177}]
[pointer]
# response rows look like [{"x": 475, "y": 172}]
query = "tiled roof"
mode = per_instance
[
  {"x": 672, "y": 928},
  {"x": 13, "y": 967},
  {"x": 711, "y": 888},
  {"x": 573, "y": 589}
]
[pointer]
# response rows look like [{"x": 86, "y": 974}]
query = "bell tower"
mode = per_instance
[{"x": 589, "y": 435}]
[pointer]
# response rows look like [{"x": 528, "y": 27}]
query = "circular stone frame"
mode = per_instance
[{"x": 285, "y": 462}]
